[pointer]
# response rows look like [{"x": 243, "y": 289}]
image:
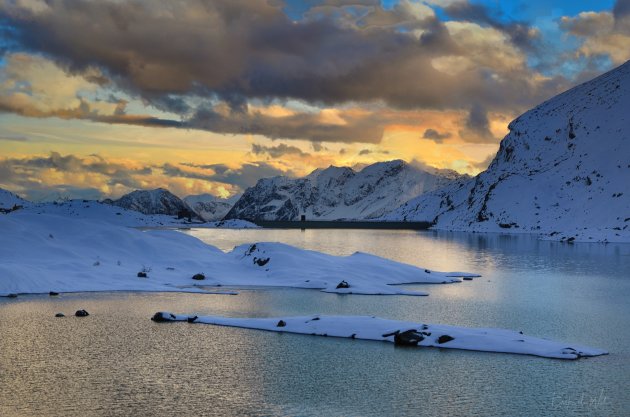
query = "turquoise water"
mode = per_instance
[{"x": 118, "y": 362}]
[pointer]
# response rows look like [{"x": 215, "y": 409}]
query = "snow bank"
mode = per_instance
[
  {"x": 43, "y": 252},
  {"x": 402, "y": 333}
]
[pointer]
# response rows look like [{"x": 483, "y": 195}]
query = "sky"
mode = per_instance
[{"x": 101, "y": 97}]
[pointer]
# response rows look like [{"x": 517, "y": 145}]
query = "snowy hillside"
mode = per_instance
[
  {"x": 210, "y": 207},
  {"x": 8, "y": 200},
  {"x": 563, "y": 171},
  {"x": 44, "y": 252},
  {"x": 158, "y": 201},
  {"x": 106, "y": 213},
  {"x": 337, "y": 193}
]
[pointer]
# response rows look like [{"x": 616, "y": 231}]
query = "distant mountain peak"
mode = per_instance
[
  {"x": 157, "y": 201},
  {"x": 336, "y": 193}
]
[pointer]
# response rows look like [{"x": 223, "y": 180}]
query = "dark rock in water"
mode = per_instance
[
  {"x": 192, "y": 319},
  {"x": 81, "y": 313},
  {"x": 445, "y": 338},
  {"x": 160, "y": 316},
  {"x": 343, "y": 284},
  {"x": 60, "y": 315},
  {"x": 353, "y": 335},
  {"x": 142, "y": 274},
  {"x": 427, "y": 271},
  {"x": 53, "y": 293},
  {"x": 199, "y": 277},
  {"x": 467, "y": 278},
  {"x": 281, "y": 323},
  {"x": 12, "y": 295}
]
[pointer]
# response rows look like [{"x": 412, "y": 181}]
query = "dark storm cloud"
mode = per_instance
[
  {"x": 237, "y": 50},
  {"x": 436, "y": 136}
]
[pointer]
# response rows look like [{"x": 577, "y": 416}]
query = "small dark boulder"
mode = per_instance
[
  {"x": 467, "y": 278},
  {"x": 60, "y": 315},
  {"x": 81, "y": 313},
  {"x": 142, "y": 274},
  {"x": 409, "y": 337},
  {"x": 427, "y": 271},
  {"x": 281, "y": 323},
  {"x": 192, "y": 319},
  {"x": 53, "y": 293},
  {"x": 261, "y": 261},
  {"x": 343, "y": 284},
  {"x": 199, "y": 277},
  {"x": 160, "y": 316},
  {"x": 445, "y": 338}
]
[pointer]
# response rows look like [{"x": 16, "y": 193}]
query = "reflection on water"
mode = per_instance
[{"x": 118, "y": 362}]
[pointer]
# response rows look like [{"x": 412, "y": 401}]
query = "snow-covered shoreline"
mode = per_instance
[
  {"x": 402, "y": 333},
  {"x": 43, "y": 253}
]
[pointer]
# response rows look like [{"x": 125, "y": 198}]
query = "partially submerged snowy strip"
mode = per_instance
[{"x": 402, "y": 333}]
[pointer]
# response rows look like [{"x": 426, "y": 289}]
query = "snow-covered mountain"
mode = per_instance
[
  {"x": 158, "y": 201},
  {"x": 210, "y": 207},
  {"x": 337, "y": 193},
  {"x": 100, "y": 212},
  {"x": 8, "y": 200},
  {"x": 563, "y": 171}
]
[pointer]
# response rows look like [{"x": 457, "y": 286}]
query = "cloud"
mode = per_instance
[
  {"x": 477, "y": 126},
  {"x": 252, "y": 50},
  {"x": 602, "y": 33},
  {"x": 621, "y": 9},
  {"x": 244, "y": 176},
  {"x": 13, "y": 138},
  {"x": 521, "y": 34},
  {"x": 278, "y": 151},
  {"x": 436, "y": 136}
]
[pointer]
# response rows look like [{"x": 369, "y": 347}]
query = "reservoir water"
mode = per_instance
[{"x": 118, "y": 362}]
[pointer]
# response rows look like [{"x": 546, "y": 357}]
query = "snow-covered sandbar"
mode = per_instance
[
  {"x": 43, "y": 252},
  {"x": 402, "y": 333}
]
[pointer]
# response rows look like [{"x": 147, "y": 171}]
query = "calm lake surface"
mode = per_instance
[{"x": 118, "y": 362}]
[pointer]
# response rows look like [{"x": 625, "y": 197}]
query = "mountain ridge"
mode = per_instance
[
  {"x": 562, "y": 171},
  {"x": 337, "y": 193}
]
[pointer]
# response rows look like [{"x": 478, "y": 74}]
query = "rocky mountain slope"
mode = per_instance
[
  {"x": 338, "y": 193},
  {"x": 8, "y": 200},
  {"x": 158, "y": 201},
  {"x": 210, "y": 207},
  {"x": 563, "y": 171}
]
